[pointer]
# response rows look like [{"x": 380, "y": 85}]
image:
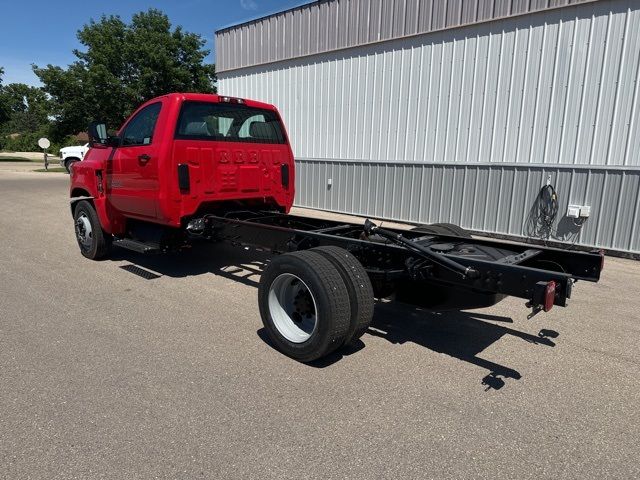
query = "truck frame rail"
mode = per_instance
[{"x": 394, "y": 257}]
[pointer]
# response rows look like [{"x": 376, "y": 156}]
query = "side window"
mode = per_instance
[{"x": 139, "y": 131}]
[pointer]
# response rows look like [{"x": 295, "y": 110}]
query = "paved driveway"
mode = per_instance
[{"x": 157, "y": 367}]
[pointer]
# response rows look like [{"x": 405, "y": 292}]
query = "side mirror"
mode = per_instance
[{"x": 98, "y": 137}]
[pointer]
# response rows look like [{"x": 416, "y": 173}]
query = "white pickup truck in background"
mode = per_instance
[{"x": 69, "y": 155}]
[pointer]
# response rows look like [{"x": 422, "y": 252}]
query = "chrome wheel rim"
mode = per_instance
[
  {"x": 83, "y": 231},
  {"x": 292, "y": 308}
]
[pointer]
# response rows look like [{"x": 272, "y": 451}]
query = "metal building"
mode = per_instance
[{"x": 455, "y": 110}]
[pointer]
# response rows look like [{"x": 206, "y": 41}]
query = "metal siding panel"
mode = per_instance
[
  {"x": 422, "y": 103},
  {"x": 623, "y": 65},
  {"x": 472, "y": 95},
  {"x": 373, "y": 25},
  {"x": 592, "y": 93},
  {"x": 341, "y": 19},
  {"x": 439, "y": 15},
  {"x": 327, "y": 25},
  {"x": 502, "y": 8},
  {"x": 503, "y": 100},
  {"x": 608, "y": 90},
  {"x": 220, "y": 45},
  {"x": 386, "y": 20},
  {"x": 627, "y": 86},
  {"x": 465, "y": 123},
  {"x": 485, "y": 9},
  {"x": 425, "y": 16},
  {"x": 453, "y": 13},
  {"x": 494, "y": 97},
  {"x": 479, "y": 99},
  {"x": 433, "y": 106},
  {"x": 412, "y": 18},
  {"x": 538, "y": 4},
  {"x": 399, "y": 18},
  {"x": 313, "y": 26},
  {"x": 519, "y": 6}
]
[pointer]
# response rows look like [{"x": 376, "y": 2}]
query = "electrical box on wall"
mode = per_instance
[
  {"x": 585, "y": 211},
  {"x": 578, "y": 211},
  {"x": 573, "y": 211}
]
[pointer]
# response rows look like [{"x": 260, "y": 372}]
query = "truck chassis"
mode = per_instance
[{"x": 438, "y": 266}]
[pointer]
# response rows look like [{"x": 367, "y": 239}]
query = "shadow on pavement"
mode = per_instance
[
  {"x": 459, "y": 334},
  {"x": 225, "y": 260}
]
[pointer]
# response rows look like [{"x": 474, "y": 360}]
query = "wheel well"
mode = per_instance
[
  {"x": 68, "y": 159},
  {"x": 79, "y": 192}
]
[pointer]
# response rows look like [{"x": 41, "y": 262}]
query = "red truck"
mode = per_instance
[{"x": 189, "y": 167}]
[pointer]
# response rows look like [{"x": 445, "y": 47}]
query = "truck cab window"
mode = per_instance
[
  {"x": 139, "y": 131},
  {"x": 228, "y": 123}
]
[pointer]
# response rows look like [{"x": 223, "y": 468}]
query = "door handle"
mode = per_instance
[{"x": 144, "y": 158}]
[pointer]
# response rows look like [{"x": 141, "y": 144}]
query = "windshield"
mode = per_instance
[{"x": 228, "y": 123}]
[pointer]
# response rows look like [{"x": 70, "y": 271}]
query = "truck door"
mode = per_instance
[{"x": 134, "y": 172}]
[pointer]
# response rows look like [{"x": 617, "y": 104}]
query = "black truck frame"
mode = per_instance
[{"x": 433, "y": 257}]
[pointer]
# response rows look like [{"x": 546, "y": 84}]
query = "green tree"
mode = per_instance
[
  {"x": 24, "y": 111},
  {"x": 4, "y": 104},
  {"x": 122, "y": 66},
  {"x": 28, "y": 108}
]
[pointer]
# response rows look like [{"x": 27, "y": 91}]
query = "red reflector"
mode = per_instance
[{"x": 549, "y": 295}]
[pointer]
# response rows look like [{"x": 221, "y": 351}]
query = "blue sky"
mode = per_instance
[{"x": 44, "y": 31}]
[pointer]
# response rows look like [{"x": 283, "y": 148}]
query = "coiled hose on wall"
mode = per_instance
[{"x": 543, "y": 214}]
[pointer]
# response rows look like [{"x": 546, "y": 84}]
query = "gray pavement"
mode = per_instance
[{"x": 156, "y": 367}]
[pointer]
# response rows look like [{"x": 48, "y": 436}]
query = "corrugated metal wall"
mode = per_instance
[
  {"x": 333, "y": 24},
  {"x": 493, "y": 198},
  {"x": 465, "y": 125}
]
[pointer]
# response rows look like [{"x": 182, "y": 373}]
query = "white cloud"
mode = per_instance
[{"x": 249, "y": 4}]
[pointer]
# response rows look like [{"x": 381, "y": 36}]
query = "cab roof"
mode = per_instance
[{"x": 214, "y": 98}]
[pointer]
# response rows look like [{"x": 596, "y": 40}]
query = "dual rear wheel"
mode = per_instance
[{"x": 313, "y": 302}]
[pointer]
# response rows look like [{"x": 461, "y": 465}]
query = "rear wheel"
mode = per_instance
[
  {"x": 358, "y": 286},
  {"x": 94, "y": 243},
  {"x": 304, "y": 305},
  {"x": 443, "y": 229}
]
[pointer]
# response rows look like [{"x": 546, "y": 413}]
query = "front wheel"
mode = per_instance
[
  {"x": 304, "y": 305},
  {"x": 94, "y": 243},
  {"x": 68, "y": 162}
]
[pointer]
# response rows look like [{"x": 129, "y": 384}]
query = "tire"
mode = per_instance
[
  {"x": 358, "y": 286},
  {"x": 68, "y": 162},
  {"x": 304, "y": 305},
  {"x": 94, "y": 243},
  {"x": 443, "y": 229}
]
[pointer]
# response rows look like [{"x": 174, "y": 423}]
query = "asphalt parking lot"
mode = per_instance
[{"x": 157, "y": 367}]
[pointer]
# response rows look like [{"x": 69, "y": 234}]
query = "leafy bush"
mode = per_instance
[{"x": 28, "y": 142}]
